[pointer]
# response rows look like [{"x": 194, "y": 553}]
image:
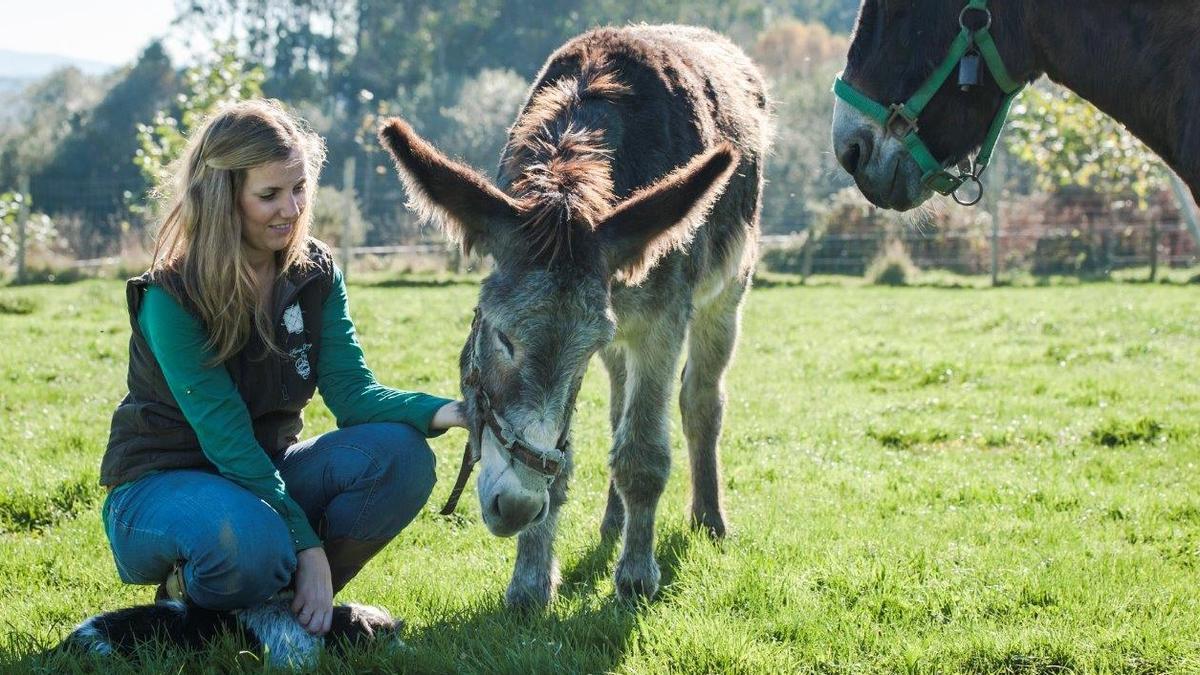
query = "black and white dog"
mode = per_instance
[{"x": 269, "y": 627}]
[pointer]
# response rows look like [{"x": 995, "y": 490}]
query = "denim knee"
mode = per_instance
[
  {"x": 238, "y": 564},
  {"x": 404, "y": 479}
]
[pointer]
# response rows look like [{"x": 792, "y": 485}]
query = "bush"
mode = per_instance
[
  {"x": 17, "y": 304},
  {"x": 893, "y": 267},
  {"x": 334, "y": 213},
  {"x": 783, "y": 259},
  {"x": 1115, "y": 433},
  {"x": 40, "y": 234}
]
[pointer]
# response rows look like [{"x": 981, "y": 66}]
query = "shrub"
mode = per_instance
[
  {"x": 1115, "y": 433},
  {"x": 334, "y": 213},
  {"x": 17, "y": 304},
  {"x": 893, "y": 267}
]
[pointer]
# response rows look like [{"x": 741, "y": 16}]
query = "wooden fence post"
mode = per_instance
[
  {"x": 1153, "y": 249},
  {"x": 807, "y": 250},
  {"x": 23, "y": 215},
  {"x": 347, "y": 226}
]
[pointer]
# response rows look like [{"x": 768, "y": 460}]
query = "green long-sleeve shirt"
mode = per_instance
[{"x": 210, "y": 402}]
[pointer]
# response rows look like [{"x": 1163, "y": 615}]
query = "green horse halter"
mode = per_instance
[{"x": 900, "y": 119}]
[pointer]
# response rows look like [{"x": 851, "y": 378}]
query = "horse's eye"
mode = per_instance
[{"x": 506, "y": 343}]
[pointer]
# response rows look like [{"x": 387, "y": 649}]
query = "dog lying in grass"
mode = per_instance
[{"x": 270, "y": 628}]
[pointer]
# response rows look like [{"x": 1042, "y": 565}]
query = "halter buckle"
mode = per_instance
[{"x": 900, "y": 122}]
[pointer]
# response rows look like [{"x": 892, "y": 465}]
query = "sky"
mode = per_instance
[{"x": 108, "y": 31}]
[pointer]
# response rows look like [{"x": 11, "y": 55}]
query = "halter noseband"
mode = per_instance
[
  {"x": 900, "y": 119},
  {"x": 547, "y": 462}
]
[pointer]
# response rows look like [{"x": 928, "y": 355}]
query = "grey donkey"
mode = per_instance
[{"x": 624, "y": 221}]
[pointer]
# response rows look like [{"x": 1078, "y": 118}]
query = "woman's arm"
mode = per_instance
[
  {"x": 350, "y": 389},
  {"x": 212, "y": 406}
]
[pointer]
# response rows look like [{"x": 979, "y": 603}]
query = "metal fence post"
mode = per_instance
[{"x": 1186, "y": 206}]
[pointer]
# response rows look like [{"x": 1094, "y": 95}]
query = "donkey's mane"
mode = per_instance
[{"x": 562, "y": 167}]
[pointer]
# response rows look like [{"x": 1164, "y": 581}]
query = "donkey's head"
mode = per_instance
[
  {"x": 896, "y": 48},
  {"x": 558, "y": 241}
]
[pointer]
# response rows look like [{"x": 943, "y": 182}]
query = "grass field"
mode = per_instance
[{"x": 918, "y": 480}]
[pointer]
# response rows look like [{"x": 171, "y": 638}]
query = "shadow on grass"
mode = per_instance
[
  {"x": 593, "y": 638},
  {"x": 486, "y": 637},
  {"x": 419, "y": 282}
]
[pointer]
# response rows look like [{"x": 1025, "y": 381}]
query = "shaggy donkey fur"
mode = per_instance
[
  {"x": 625, "y": 223},
  {"x": 269, "y": 627}
]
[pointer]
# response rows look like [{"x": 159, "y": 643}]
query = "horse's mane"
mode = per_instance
[{"x": 563, "y": 174}]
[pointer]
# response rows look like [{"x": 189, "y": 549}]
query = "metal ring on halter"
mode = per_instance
[
  {"x": 969, "y": 178},
  {"x": 962, "y": 17}
]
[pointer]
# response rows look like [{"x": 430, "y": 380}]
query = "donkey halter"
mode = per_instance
[
  {"x": 546, "y": 462},
  {"x": 900, "y": 119}
]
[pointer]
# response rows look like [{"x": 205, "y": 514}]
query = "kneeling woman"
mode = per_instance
[{"x": 239, "y": 321}]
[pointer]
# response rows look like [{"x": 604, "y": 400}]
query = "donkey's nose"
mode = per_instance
[
  {"x": 518, "y": 511},
  {"x": 855, "y": 152}
]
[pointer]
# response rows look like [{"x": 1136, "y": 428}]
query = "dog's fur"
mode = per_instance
[{"x": 269, "y": 627}]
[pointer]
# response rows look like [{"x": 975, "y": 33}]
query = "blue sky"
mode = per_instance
[{"x": 108, "y": 31}]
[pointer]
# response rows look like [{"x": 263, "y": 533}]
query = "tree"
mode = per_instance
[
  {"x": 41, "y": 116},
  {"x": 800, "y": 61},
  {"x": 207, "y": 86},
  {"x": 89, "y": 178},
  {"x": 1068, "y": 142}
]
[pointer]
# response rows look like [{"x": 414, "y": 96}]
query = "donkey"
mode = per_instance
[
  {"x": 1137, "y": 60},
  {"x": 624, "y": 221}
]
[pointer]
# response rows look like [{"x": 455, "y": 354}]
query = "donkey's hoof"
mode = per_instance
[
  {"x": 711, "y": 523},
  {"x": 637, "y": 578},
  {"x": 531, "y": 591}
]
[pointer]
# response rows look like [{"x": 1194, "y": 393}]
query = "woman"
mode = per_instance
[{"x": 239, "y": 321}]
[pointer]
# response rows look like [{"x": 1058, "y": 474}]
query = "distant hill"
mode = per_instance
[{"x": 17, "y": 68}]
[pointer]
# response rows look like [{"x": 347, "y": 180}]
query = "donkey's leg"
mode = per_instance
[
  {"x": 614, "y": 511},
  {"x": 535, "y": 576},
  {"x": 641, "y": 454},
  {"x": 711, "y": 340}
]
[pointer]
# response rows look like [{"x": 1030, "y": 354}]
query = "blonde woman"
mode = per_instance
[{"x": 241, "y": 318}]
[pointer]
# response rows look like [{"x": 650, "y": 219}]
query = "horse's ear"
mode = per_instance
[
  {"x": 662, "y": 217},
  {"x": 453, "y": 195}
]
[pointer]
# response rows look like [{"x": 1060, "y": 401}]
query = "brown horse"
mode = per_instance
[
  {"x": 1137, "y": 60},
  {"x": 625, "y": 222}
]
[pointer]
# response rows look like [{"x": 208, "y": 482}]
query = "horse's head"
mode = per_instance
[
  {"x": 557, "y": 243},
  {"x": 897, "y": 47}
]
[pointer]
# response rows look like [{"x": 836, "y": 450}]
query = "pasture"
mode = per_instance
[{"x": 917, "y": 480}]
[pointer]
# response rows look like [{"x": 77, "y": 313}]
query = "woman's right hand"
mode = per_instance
[
  {"x": 313, "y": 605},
  {"x": 450, "y": 415}
]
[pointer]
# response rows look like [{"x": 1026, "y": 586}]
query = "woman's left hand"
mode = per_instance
[{"x": 449, "y": 415}]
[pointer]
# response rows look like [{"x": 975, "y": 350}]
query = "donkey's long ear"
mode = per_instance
[
  {"x": 453, "y": 195},
  {"x": 662, "y": 217}
]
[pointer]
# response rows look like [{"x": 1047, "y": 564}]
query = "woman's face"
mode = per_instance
[{"x": 272, "y": 199}]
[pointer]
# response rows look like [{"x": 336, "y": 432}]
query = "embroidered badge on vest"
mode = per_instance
[{"x": 293, "y": 321}]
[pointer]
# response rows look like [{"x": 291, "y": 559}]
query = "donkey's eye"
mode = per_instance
[{"x": 505, "y": 343}]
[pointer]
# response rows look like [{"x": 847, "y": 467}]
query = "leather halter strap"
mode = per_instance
[{"x": 547, "y": 463}]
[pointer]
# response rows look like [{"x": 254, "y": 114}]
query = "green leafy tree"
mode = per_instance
[
  {"x": 39, "y": 117},
  {"x": 207, "y": 86},
  {"x": 89, "y": 180},
  {"x": 39, "y": 229},
  {"x": 1069, "y": 143}
]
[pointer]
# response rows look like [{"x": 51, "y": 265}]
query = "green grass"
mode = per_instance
[{"x": 918, "y": 480}]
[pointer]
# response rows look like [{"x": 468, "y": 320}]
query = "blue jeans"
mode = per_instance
[{"x": 365, "y": 482}]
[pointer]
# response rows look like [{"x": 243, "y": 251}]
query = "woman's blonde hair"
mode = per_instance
[{"x": 201, "y": 237}]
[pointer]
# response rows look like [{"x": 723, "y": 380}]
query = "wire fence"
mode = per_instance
[{"x": 1081, "y": 234}]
